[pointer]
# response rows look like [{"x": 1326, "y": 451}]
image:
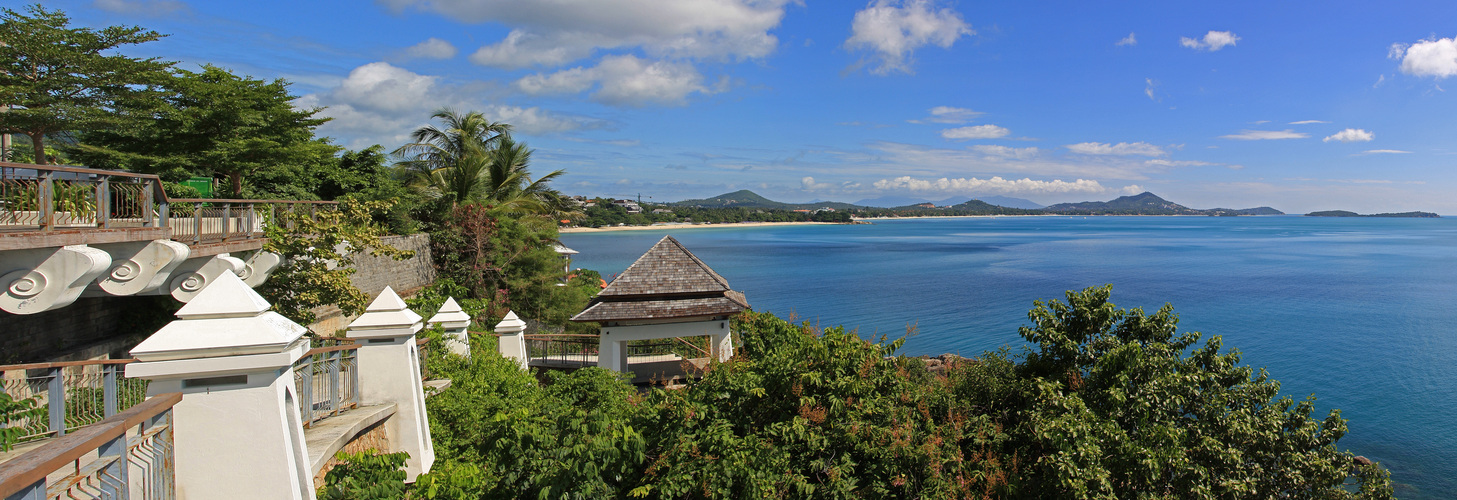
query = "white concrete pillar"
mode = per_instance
[
  {"x": 454, "y": 321},
  {"x": 42, "y": 279},
  {"x": 611, "y": 354},
  {"x": 389, "y": 372},
  {"x": 721, "y": 346},
  {"x": 512, "y": 339},
  {"x": 237, "y": 432}
]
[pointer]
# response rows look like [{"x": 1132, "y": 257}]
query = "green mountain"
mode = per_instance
[
  {"x": 1147, "y": 203},
  {"x": 749, "y": 199}
]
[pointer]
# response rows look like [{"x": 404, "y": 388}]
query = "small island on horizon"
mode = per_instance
[{"x": 1347, "y": 213}]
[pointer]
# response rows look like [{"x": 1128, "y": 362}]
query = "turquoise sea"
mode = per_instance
[{"x": 1360, "y": 312}]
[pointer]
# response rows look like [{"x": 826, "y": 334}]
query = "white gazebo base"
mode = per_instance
[{"x": 612, "y": 347}]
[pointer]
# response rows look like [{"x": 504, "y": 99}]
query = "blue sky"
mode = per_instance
[{"x": 1296, "y": 105}]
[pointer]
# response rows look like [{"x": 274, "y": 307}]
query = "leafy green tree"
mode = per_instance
[
  {"x": 318, "y": 255},
  {"x": 461, "y": 135},
  {"x": 62, "y": 80},
  {"x": 1113, "y": 403},
  {"x": 216, "y": 123}
]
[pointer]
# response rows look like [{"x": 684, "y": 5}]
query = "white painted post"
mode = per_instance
[
  {"x": 389, "y": 372},
  {"x": 512, "y": 339},
  {"x": 237, "y": 432},
  {"x": 611, "y": 354},
  {"x": 455, "y": 322},
  {"x": 721, "y": 346}
]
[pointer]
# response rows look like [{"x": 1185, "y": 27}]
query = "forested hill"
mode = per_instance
[
  {"x": 1147, "y": 203},
  {"x": 748, "y": 199},
  {"x": 1141, "y": 204}
]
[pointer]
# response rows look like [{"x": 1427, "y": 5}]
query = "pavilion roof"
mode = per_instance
[{"x": 666, "y": 282}]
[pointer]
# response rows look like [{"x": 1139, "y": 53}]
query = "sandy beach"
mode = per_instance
[{"x": 686, "y": 226}]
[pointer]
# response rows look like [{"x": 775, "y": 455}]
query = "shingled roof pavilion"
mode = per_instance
[{"x": 666, "y": 293}]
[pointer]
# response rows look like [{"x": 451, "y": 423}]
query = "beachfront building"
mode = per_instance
[{"x": 666, "y": 293}]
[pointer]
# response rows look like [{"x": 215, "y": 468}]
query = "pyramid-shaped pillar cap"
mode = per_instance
[
  {"x": 227, "y": 318},
  {"x": 511, "y": 324},
  {"x": 451, "y": 315},
  {"x": 387, "y": 316}
]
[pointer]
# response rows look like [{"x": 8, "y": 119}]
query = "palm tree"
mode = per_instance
[{"x": 435, "y": 148}]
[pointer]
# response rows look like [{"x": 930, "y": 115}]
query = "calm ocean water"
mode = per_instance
[{"x": 1359, "y": 312}]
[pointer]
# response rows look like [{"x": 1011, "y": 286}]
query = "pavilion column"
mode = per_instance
[
  {"x": 611, "y": 353},
  {"x": 389, "y": 372},
  {"x": 512, "y": 339},
  {"x": 454, "y": 321},
  {"x": 721, "y": 346},
  {"x": 237, "y": 432}
]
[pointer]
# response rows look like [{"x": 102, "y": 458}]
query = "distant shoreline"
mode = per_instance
[{"x": 565, "y": 230}]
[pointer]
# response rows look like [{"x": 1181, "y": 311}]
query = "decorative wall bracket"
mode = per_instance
[{"x": 42, "y": 279}]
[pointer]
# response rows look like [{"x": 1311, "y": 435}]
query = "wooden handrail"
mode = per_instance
[
  {"x": 231, "y": 200},
  {"x": 64, "y": 364},
  {"x": 331, "y": 348},
  {"x": 36, "y": 464},
  {"x": 79, "y": 170}
]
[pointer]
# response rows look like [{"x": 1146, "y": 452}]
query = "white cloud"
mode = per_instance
[
  {"x": 1212, "y": 41},
  {"x": 1385, "y": 152},
  {"x": 141, "y": 7},
  {"x": 1006, "y": 152},
  {"x": 975, "y": 132},
  {"x": 1120, "y": 149},
  {"x": 894, "y": 29},
  {"x": 431, "y": 48},
  {"x": 1434, "y": 57},
  {"x": 1131, "y": 190},
  {"x": 808, "y": 184},
  {"x": 1307, "y": 122},
  {"x": 1351, "y": 135},
  {"x": 990, "y": 185},
  {"x": 949, "y": 114},
  {"x": 1179, "y": 163},
  {"x": 1265, "y": 135},
  {"x": 1128, "y": 40},
  {"x": 562, "y": 31},
  {"x": 623, "y": 80},
  {"x": 379, "y": 103},
  {"x": 1149, "y": 87}
]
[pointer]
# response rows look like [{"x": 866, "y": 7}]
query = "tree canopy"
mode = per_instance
[
  {"x": 215, "y": 123},
  {"x": 60, "y": 80}
]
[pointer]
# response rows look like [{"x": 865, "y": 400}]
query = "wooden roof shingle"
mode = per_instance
[{"x": 668, "y": 281}]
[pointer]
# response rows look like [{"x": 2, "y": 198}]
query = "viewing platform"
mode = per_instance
[{"x": 67, "y": 232}]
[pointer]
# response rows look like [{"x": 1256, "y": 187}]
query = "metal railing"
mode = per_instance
[
  {"x": 123, "y": 456},
  {"x": 66, "y": 396},
  {"x": 327, "y": 379},
  {"x": 50, "y": 197},
  {"x": 566, "y": 350}
]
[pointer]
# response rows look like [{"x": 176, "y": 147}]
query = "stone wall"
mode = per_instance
[
  {"x": 406, "y": 276},
  {"x": 375, "y": 439}
]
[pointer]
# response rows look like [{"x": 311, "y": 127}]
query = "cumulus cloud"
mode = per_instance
[
  {"x": 894, "y": 29},
  {"x": 624, "y": 80},
  {"x": 1120, "y": 149},
  {"x": 949, "y": 114},
  {"x": 432, "y": 48},
  {"x": 1148, "y": 89},
  {"x": 562, "y": 31},
  {"x": 1434, "y": 57},
  {"x": 989, "y": 185},
  {"x": 1265, "y": 135},
  {"x": 379, "y": 103},
  {"x": 975, "y": 132},
  {"x": 1385, "y": 152},
  {"x": 1307, "y": 122},
  {"x": 1351, "y": 135},
  {"x": 1131, "y": 190},
  {"x": 1128, "y": 40},
  {"x": 1212, "y": 41}
]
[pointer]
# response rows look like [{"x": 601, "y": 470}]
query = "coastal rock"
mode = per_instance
[
  {"x": 1361, "y": 461},
  {"x": 938, "y": 365}
]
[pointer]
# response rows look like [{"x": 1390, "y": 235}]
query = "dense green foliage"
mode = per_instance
[
  {"x": 604, "y": 213},
  {"x": 65, "y": 80},
  {"x": 318, "y": 251},
  {"x": 1106, "y": 403},
  {"x": 213, "y": 123}
]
